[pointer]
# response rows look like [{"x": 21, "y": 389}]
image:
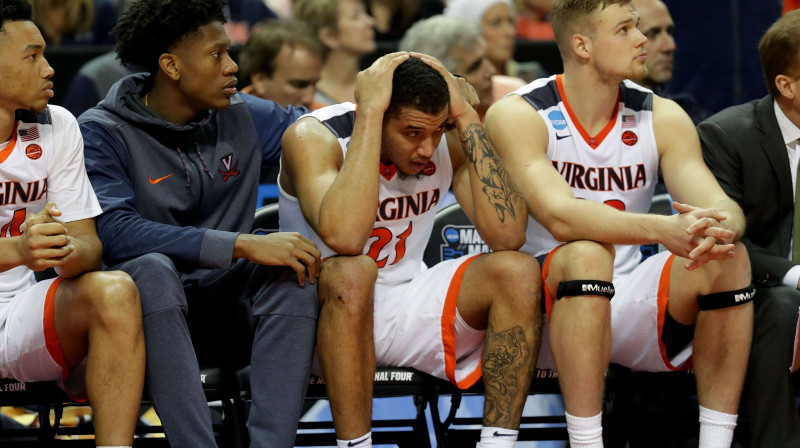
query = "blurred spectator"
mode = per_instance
[
  {"x": 462, "y": 50},
  {"x": 281, "y": 8},
  {"x": 497, "y": 22},
  {"x": 533, "y": 21},
  {"x": 346, "y": 29},
  {"x": 656, "y": 24},
  {"x": 93, "y": 81},
  {"x": 75, "y": 21},
  {"x": 282, "y": 61},
  {"x": 243, "y": 16},
  {"x": 394, "y": 17}
]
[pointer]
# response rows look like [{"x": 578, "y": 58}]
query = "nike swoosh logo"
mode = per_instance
[
  {"x": 357, "y": 442},
  {"x": 499, "y": 434},
  {"x": 155, "y": 181},
  {"x": 559, "y": 137}
]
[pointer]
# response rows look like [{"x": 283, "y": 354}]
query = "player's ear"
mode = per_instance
[
  {"x": 169, "y": 64},
  {"x": 787, "y": 86},
  {"x": 581, "y": 45}
]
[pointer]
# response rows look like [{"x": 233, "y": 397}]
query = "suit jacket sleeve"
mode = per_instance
[{"x": 723, "y": 155}]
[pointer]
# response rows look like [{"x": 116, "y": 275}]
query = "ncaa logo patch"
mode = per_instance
[
  {"x": 461, "y": 240},
  {"x": 33, "y": 151},
  {"x": 557, "y": 120},
  {"x": 629, "y": 138}
]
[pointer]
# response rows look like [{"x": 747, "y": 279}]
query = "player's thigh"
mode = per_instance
[
  {"x": 29, "y": 347},
  {"x": 637, "y": 315},
  {"x": 108, "y": 298},
  {"x": 417, "y": 324}
]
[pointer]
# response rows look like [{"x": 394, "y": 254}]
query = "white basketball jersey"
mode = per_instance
[
  {"x": 406, "y": 209},
  {"x": 42, "y": 163},
  {"x": 618, "y": 167}
]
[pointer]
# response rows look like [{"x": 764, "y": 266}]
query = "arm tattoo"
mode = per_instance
[
  {"x": 507, "y": 373},
  {"x": 497, "y": 184}
]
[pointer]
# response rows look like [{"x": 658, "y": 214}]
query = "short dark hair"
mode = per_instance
[
  {"x": 568, "y": 17},
  {"x": 263, "y": 46},
  {"x": 780, "y": 50},
  {"x": 14, "y": 11},
  {"x": 149, "y": 28},
  {"x": 419, "y": 86}
]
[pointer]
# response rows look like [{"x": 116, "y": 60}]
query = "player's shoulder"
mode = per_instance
[
  {"x": 635, "y": 97},
  {"x": 52, "y": 116}
]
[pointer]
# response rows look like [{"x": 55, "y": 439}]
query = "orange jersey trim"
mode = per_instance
[
  {"x": 448, "y": 330},
  {"x": 663, "y": 298},
  {"x": 11, "y": 145},
  {"x": 548, "y": 298},
  {"x": 595, "y": 141},
  {"x": 50, "y": 337}
]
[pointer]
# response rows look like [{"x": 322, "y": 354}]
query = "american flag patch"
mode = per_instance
[
  {"x": 628, "y": 121},
  {"x": 29, "y": 134}
]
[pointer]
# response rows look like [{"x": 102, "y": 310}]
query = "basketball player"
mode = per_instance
[
  {"x": 586, "y": 147},
  {"x": 175, "y": 156},
  {"x": 366, "y": 179},
  {"x": 82, "y": 328}
]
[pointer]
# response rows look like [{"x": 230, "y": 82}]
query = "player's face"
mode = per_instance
[
  {"x": 617, "y": 46},
  {"x": 410, "y": 138},
  {"x": 497, "y": 27},
  {"x": 25, "y": 81},
  {"x": 657, "y": 25},
  {"x": 293, "y": 82},
  {"x": 355, "y": 33},
  {"x": 478, "y": 71},
  {"x": 206, "y": 70}
]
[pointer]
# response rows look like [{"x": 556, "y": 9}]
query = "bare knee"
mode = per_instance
[
  {"x": 515, "y": 278},
  {"x": 582, "y": 260},
  {"x": 736, "y": 271},
  {"x": 348, "y": 282},
  {"x": 113, "y": 299}
]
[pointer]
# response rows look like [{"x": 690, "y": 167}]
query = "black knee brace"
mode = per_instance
[
  {"x": 726, "y": 299},
  {"x": 585, "y": 288}
]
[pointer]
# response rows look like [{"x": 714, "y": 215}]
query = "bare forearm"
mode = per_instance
[
  {"x": 9, "y": 255},
  {"x": 86, "y": 257},
  {"x": 735, "y": 221},
  {"x": 577, "y": 219},
  {"x": 497, "y": 202}
]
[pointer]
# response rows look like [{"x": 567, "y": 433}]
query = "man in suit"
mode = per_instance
[{"x": 753, "y": 150}]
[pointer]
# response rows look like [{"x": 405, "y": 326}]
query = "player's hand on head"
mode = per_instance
[
  {"x": 462, "y": 94},
  {"x": 373, "y": 89},
  {"x": 283, "y": 249}
]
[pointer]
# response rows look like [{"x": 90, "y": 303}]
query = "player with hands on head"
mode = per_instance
[
  {"x": 82, "y": 329},
  {"x": 364, "y": 182},
  {"x": 586, "y": 147},
  {"x": 175, "y": 155}
]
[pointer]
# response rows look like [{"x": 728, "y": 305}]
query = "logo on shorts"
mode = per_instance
[
  {"x": 459, "y": 241},
  {"x": 33, "y": 151},
  {"x": 629, "y": 138},
  {"x": 557, "y": 120}
]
